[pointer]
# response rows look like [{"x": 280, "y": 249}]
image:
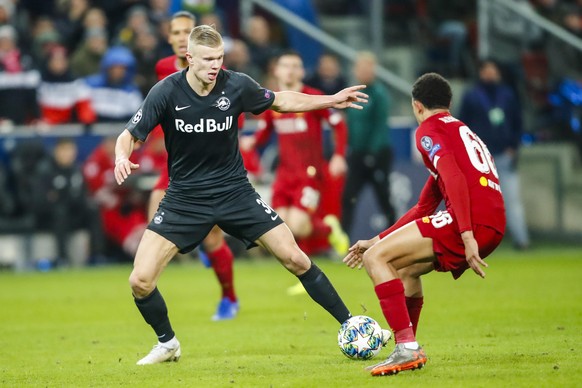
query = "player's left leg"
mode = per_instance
[
  {"x": 221, "y": 259},
  {"x": 280, "y": 242},
  {"x": 410, "y": 277},
  {"x": 401, "y": 249}
]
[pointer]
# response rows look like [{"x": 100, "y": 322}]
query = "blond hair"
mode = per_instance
[{"x": 204, "y": 35}]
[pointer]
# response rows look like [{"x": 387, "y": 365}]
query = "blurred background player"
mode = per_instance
[
  {"x": 214, "y": 250},
  {"x": 301, "y": 164},
  {"x": 369, "y": 150},
  {"x": 123, "y": 217},
  {"x": 492, "y": 110}
]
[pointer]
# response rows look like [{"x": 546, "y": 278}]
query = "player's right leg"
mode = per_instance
[
  {"x": 280, "y": 242},
  {"x": 153, "y": 254},
  {"x": 383, "y": 261}
]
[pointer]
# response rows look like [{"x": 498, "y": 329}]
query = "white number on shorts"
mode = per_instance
[
  {"x": 477, "y": 150},
  {"x": 440, "y": 219},
  {"x": 310, "y": 198},
  {"x": 268, "y": 209}
]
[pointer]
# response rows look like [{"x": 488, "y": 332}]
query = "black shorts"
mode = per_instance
[{"x": 242, "y": 213}]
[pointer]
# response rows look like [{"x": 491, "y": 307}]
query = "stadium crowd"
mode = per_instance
[{"x": 93, "y": 61}]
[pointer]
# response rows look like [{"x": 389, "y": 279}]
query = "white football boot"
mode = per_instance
[{"x": 162, "y": 352}]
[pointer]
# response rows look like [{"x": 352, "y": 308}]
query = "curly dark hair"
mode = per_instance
[{"x": 433, "y": 91}]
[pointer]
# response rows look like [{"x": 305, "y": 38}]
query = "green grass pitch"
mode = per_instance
[{"x": 520, "y": 327}]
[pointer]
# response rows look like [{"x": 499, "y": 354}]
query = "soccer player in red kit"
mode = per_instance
[
  {"x": 300, "y": 171},
  {"x": 215, "y": 247},
  {"x": 463, "y": 175}
]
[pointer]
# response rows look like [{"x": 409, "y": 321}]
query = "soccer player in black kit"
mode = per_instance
[{"x": 198, "y": 109}]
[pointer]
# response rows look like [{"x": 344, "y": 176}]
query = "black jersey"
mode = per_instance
[{"x": 201, "y": 132}]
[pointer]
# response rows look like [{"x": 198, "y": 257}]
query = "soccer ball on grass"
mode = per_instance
[{"x": 360, "y": 338}]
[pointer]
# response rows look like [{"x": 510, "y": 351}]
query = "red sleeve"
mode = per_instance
[
  {"x": 265, "y": 128},
  {"x": 241, "y": 121},
  {"x": 429, "y": 199},
  {"x": 338, "y": 124},
  {"x": 457, "y": 190}
]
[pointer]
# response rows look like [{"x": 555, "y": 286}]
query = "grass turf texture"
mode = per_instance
[{"x": 519, "y": 327}]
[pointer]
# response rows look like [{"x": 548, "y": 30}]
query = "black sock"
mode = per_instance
[
  {"x": 154, "y": 311},
  {"x": 321, "y": 290}
]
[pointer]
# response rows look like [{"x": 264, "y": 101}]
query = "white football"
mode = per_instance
[{"x": 360, "y": 338}]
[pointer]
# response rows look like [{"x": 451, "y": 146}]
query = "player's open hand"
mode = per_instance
[
  {"x": 472, "y": 255},
  {"x": 348, "y": 97},
  {"x": 123, "y": 168},
  {"x": 355, "y": 256}
]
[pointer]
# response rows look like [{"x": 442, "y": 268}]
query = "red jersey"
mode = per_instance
[
  {"x": 166, "y": 66},
  {"x": 300, "y": 137},
  {"x": 463, "y": 174}
]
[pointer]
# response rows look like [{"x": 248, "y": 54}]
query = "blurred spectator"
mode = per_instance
[
  {"x": 62, "y": 98},
  {"x": 114, "y": 94},
  {"x": 159, "y": 11},
  {"x": 509, "y": 36},
  {"x": 369, "y": 149},
  {"x": 328, "y": 77},
  {"x": 491, "y": 109},
  {"x": 44, "y": 38},
  {"x": 258, "y": 38},
  {"x": 445, "y": 23},
  {"x": 123, "y": 213},
  {"x": 86, "y": 60},
  {"x": 69, "y": 22},
  {"x": 237, "y": 58},
  {"x": 146, "y": 55},
  {"x": 137, "y": 21},
  {"x": 309, "y": 48},
  {"x": 18, "y": 82},
  {"x": 61, "y": 203},
  {"x": 95, "y": 18},
  {"x": 565, "y": 61}
]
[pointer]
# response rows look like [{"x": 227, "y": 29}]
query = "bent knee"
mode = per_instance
[
  {"x": 296, "y": 261},
  {"x": 140, "y": 285}
]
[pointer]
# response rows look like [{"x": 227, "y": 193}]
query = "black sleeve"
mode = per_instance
[
  {"x": 256, "y": 99},
  {"x": 150, "y": 112}
]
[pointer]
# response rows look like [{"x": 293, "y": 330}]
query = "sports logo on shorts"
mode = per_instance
[
  {"x": 137, "y": 117},
  {"x": 159, "y": 218},
  {"x": 223, "y": 103},
  {"x": 426, "y": 143}
]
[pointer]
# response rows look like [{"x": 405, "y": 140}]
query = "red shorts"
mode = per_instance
[
  {"x": 448, "y": 245},
  {"x": 163, "y": 180},
  {"x": 119, "y": 225},
  {"x": 296, "y": 191}
]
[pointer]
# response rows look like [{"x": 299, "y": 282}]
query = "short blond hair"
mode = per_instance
[{"x": 204, "y": 35}]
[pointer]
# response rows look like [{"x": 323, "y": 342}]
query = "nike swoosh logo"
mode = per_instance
[
  {"x": 182, "y": 107},
  {"x": 273, "y": 218}
]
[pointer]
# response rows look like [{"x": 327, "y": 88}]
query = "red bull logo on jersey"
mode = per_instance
[{"x": 204, "y": 125}]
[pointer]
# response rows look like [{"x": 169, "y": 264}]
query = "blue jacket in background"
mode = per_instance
[
  {"x": 115, "y": 101},
  {"x": 476, "y": 107}
]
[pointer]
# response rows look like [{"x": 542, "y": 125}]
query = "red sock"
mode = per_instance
[
  {"x": 320, "y": 228},
  {"x": 414, "y": 305},
  {"x": 393, "y": 304},
  {"x": 221, "y": 260}
]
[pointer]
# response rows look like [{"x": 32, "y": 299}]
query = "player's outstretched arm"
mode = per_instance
[
  {"x": 123, "y": 150},
  {"x": 287, "y": 101}
]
